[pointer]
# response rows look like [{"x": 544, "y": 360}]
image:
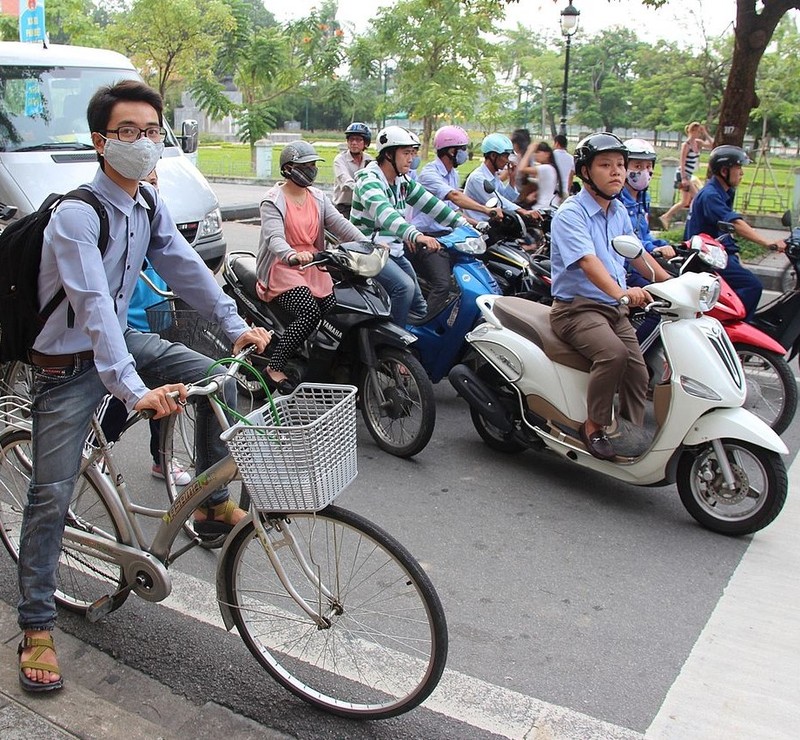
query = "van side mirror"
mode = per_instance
[
  {"x": 7, "y": 212},
  {"x": 189, "y": 136},
  {"x": 628, "y": 246}
]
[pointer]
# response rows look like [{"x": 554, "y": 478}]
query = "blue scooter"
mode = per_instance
[{"x": 440, "y": 338}]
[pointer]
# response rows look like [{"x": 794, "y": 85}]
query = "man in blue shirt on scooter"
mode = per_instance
[
  {"x": 591, "y": 295},
  {"x": 714, "y": 203}
]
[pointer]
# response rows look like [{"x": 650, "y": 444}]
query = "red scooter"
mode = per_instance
[{"x": 771, "y": 385}]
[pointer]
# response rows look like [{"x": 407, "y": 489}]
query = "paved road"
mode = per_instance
[{"x": 578, "y": 606}]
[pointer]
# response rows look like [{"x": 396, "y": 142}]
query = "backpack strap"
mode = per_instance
[{"x": 86, "y": 196}]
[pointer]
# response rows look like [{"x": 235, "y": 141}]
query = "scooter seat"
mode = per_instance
[
  {"x": 532, "y": 321},
  {"x": 244, "y": 267}
]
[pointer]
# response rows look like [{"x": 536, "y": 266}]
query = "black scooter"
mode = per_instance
[
  {"x": 356, "y": 343},
  {"x": 780, "y": 318}
]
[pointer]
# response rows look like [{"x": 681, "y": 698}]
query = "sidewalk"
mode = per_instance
[
  {"x": 239, "y": 200},
  {"x": 105, "y": 699}
]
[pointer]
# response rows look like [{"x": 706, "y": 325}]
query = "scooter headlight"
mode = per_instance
[
  {"x": 472, "y": 245},
  {"x": 709, "y": 295}
]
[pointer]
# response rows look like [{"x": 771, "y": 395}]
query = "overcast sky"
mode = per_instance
[{"x": 678, "y": 21}]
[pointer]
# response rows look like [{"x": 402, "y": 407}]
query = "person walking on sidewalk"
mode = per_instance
[
  {"x": 85, "y": 349},
  {"x": 697, "y": 139}
]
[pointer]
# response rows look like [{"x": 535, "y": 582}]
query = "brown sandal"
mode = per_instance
[
  {"x": 219, "y": 519},
  {"x": 41, "y": 644}
]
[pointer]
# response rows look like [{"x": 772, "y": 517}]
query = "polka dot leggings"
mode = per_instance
[{"x": 306, "y": 312}]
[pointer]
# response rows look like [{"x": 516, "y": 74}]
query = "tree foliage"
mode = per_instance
[{"x": 170, "y": 41}]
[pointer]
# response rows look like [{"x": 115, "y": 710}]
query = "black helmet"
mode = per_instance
[
  {"x": 359, "y": 129},
  {"x": 726, "y": 156},
  {"x": 589, "y": 147}
]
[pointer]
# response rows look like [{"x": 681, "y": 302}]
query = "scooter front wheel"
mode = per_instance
[
  {"x": 771, "y": 387},
  {"x": 758, "y": 495},
  {"x": 397, "y": 403}
]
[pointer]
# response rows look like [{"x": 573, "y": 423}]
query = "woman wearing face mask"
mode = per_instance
[{"x": 294, "y": 216}]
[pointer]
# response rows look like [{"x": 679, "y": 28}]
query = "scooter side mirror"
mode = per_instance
[
  {"x": 488, "y": 186},
  {"x": 493, "y": 202},
  {"x": 628, "y": 246},
  {"x": 786, "y": 219}
]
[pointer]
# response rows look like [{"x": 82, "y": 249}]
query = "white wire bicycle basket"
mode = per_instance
[
  {"x": 15, "y": 412},
  {"x": 299, "y": 455}
]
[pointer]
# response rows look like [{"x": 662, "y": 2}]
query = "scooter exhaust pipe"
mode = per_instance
[{"x": 480, "y": 397}]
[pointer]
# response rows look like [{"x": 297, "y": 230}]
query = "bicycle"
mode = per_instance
[{"x": 332, "y": 607}]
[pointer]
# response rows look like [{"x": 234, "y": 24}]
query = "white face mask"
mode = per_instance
[
  {"x": 133, "y": 160},
  {"x": 639, "y": 179}
]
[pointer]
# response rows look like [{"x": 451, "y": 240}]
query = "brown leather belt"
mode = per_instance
[{"x": 40, "y": 360}]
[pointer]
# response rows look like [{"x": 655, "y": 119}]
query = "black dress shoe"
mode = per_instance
[{"x": 597, "y": 443}]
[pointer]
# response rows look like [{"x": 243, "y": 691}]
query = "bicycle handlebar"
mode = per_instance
[{"x": 210, "y": 385}]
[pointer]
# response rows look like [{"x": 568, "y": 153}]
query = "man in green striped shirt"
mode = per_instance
[{"x": 382, "y": 192}]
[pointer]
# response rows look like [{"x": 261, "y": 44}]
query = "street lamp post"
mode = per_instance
[{"x": 569, "y": 27}]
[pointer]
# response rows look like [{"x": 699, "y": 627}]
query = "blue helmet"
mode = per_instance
[
  {"x": 499, "y": 143},
  {"x": 359, "y": 129}
]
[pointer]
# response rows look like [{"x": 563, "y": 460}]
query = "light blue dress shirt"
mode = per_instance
[
  {"x": 580, "y": 227},
  {"x": 99, "y": 290},
  {"x": 475, "y": 190}
]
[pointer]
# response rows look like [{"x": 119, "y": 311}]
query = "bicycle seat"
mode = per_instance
[{"x": 532, "y": 321}]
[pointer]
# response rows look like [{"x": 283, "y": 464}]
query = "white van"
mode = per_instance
[{"x": 45, "y": 145}]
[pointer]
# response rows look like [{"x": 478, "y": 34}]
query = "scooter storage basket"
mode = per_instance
[
  {"x": 175, "y": 321},
  {"x": 299, "y": 453}
]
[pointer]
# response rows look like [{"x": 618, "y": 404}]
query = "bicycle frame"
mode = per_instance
[{"x": 146, "y": 566}]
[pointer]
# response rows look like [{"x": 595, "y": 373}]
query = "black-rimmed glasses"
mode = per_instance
[{"x": 133, "y": 133}]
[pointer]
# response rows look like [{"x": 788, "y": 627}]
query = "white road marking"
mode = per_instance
[{"x": 741, "y": 680}]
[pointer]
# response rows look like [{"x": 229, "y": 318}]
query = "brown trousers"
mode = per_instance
[{"x": 603, "y": 335}]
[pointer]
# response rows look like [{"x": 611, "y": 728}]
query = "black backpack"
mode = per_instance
[{"x": 20, "y": 258}]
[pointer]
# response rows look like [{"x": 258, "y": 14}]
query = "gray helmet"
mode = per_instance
[{"x": 299, "y": 152}]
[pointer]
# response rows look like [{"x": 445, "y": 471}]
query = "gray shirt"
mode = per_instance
[
  {"x": 99, "y": 290},
  {"x": 344, "y": 176}
]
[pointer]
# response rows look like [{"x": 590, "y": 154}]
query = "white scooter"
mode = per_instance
[{"x": 528, "y": 390}]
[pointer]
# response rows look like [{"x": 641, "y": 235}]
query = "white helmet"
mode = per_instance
[
  {"x": 394, "y": 136},
  {"x": 640, "y": 149}
]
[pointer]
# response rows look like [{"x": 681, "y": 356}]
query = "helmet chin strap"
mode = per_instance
[{"x": 595, "y": 189}]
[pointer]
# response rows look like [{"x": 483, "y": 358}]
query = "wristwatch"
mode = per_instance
[{"x": 624, "y": 300}]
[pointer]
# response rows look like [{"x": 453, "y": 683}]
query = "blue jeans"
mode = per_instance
[
  {"x": 64, "y": 400},
  {"x": 745, "y": 284},
  {"x": 400, "y": 281}
]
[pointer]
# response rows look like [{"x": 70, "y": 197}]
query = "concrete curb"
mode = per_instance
[{"x": 103, "y": 698}]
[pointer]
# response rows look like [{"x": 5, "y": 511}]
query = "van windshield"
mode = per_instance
[{"x": 44, "y": 108}]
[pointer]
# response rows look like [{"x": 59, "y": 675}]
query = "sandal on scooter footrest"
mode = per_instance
[
  {"x": 34, "y": 663},
  {"x": 219, "y": 519}
]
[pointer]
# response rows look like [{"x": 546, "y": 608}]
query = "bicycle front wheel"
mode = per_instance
[
  {"x": 83, "y": 577},
  {"x": 384, "y": 644}
]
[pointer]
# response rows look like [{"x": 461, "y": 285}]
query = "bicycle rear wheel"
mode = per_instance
[
  {"x": 82, "y": 576},
  {"x": 386, "y": 644}
]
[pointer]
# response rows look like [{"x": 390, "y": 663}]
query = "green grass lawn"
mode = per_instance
[{"x": 762, "y": 191}]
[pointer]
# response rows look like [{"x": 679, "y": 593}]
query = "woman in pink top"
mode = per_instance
[{"x": 294, "y": 216}]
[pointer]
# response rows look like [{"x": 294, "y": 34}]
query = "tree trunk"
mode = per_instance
[{"x": 752, "y": 34}]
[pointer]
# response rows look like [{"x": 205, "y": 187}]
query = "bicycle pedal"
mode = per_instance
[{"x": 100, "y": 608}]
